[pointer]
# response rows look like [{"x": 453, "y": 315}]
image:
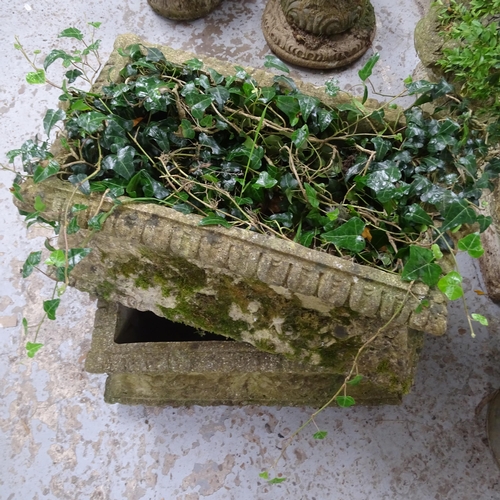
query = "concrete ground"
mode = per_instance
[{"x": 59, "y": 440}]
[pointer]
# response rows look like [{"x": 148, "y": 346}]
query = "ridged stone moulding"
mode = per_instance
[{"x": 320, "y": 34}]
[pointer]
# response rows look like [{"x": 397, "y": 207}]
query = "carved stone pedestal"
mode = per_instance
[
  {"x": 183, "y": 10},
  {"x": 319, "y": 34}
]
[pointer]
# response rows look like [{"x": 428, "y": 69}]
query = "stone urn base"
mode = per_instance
[
  {"x": 210, "y": 372},
  {"x": 183, "y": 10},
  {"x": 299, "y": 47}
]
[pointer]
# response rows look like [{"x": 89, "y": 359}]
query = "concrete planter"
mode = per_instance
[
  {"x": 183, "y": 10},
  {"x": 308, "y": 306},
  {"x": 214, "y": 372}
]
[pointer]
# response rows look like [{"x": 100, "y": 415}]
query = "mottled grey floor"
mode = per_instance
[{"x": 59, "y": 440}]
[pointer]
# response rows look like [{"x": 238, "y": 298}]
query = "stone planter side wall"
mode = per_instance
[
  {"x": 490, "y": 260},
  {"x": 215, "y": 373}
]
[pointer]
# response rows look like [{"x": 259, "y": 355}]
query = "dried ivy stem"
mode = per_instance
[{"x": 343, "y": 387}]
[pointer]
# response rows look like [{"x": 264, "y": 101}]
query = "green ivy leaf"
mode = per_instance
[
  {"x": 472, "y": 245},
  {"x": 366, "y": 71},
  {"x": 451, "y": 285},
  {"x": 415, "y": 214},
  {"x": 332, "y": 87},
  {"x": 75, "y": 255},
  {"x": 56, "y": 54},
  {"x": 264, "y": 475},
  {"x": 345, "y": 401},
  {"x": 56, "y": 258},
  {"x": 214, "y": 220},
  {"x": 36, "y": 77},
  {"x": 320, "y": 435},
  {"x": 95, "y": 223},
  {"x": 271, "y": 61},
  {"x": 114, "y": 137},
  {"x": 34, "y": 258},
  {"x": 356, "y": 380},
  {"x": 155, "y": 55},
  {"x": 24, "y": 322},
  {"x": 383, "y": 183},
  {"x": 420, "y": 307},
  {"x": 307, "y": 238},
  {"x": 312, "y": 195},
  {"x": 420, "y": 266},
  {"x": 480, "y": 318},
  {"x": 39, "y": 204},
  {"x": 220, "y": 95},
  {"x": 48, "y": 246},
  {"x": 73, "y": 226},
  {"x": 348, "y": 235},
  {"x": 290, "y": 106},
  {"x": 456, "y": 214},
  {"x": 16, "y": 191},
  {"x": 42, "y": 173},
  {"x": 122, "y": 163},
  {"x": 436, "y": 251},
  {"x": 210, "y": 142},
  {"x": 194, "y": 64},
  {"x": 91, "y": 122},
  {"x": 382, "y": 147},
  {"x": 32, "y": 348},
  {"x": 52, "y": 116},
  {"x": 265, "y": 180},
  {"x": 71, "y": 33},
  {"x": 81, "y": 181},
  {"x": 198, "y": 103},
  {"x": 308, "y": 105},
  {"x": 50, "y": 307},
  {"x": 484, "y": 222},
  {"x": 300, "y": 136}
]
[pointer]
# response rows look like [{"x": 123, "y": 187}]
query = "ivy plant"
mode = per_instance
[
  {"x": 337, "y": 178},
  {"x": 473, "y": 57}
]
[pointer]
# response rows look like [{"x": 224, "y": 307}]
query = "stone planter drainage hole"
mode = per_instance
[{"x": 145, "y": 326}]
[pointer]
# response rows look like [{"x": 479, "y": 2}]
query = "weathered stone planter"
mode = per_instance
[
  {"x": 306, "y": 306},
  {"x": 214, "y": 372},
  {"x": 183, "y": 10},
  {"x": 320, "y": 34}
]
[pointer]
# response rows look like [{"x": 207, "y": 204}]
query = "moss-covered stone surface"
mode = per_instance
[{"x": 214, "y": 372}]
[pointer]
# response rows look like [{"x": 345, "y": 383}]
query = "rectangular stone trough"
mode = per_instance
[
  {"x": 291, "y": 303},
  {"x": 208, "y": 372}
]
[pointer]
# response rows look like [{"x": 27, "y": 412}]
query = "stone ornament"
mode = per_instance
[
  {"x": 183, "y": 10},
  {"x": 319, "y": 34},
  {"x": 323, "y": 17}
]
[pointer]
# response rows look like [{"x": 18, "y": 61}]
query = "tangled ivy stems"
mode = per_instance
[{"x": 402, "y": 195}]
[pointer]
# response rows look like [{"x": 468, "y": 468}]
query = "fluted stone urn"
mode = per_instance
[
  {"x": 183, "y": 10},
  {"x": 319, "y": 34}
]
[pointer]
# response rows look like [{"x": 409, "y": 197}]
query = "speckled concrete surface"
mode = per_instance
[{"x": 59, "y": 440}]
